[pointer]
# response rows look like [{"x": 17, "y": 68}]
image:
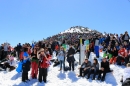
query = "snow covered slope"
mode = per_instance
[
  {"x": 57, "y": 78},
  {"x": 78, "y": 29}
]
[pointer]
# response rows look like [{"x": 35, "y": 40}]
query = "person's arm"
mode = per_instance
[
  {"x": 97, "y": 67},
  {"x": 38, "y": 55},
  {"x": 45, "y": 56}
]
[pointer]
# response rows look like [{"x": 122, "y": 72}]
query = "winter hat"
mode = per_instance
[{"x": 41, "y": 50}]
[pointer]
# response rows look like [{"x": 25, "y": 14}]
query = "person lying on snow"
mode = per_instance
[
  {"x": 85, "y": 68},
  {"x": 8, "y": 63}
]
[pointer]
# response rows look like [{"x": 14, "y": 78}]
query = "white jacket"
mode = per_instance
[
  {"x": 12, "y": 63},
  {"x": 126, "y": 73}
]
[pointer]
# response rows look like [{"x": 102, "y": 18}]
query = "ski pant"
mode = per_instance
[
  {"x": 24, "y": 76},
  {"x": 94, "y": 71},
  {"x": 104, "y": 74},
  {"x": 34, "y": 71},
  {"x": 83, "y": 72},
  {"x": 71, "y": 64},
  {"x": 113, "y": 60},
  {"x": 62, "y": 63},
  {"x": 42, "y": 74},
  {"x": 119, "y": 59}
]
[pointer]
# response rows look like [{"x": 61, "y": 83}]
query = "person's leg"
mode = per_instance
[
  {"x": 70, "y": 65},
  {"x": 45, "y": 75},
  {"x": 94, "y": 75},
  {"x": 64, "y": 65},
  {"x": 104, "y": 75},
  {"x": 36, "y": 70},
  {"x": 27, "y": 75},
  {"x": 89, "y": 73},
  {"x": 86, "y": 72},
  {"x": 40, "y": 74},
  {"x": 119, "y": 60},
  {"x": 61, "y": 65},
  {"x": 99, "y": 75},
  {"x": 81, "y": 71},
  {"x": 126, "y": 60},
  {"x": 33, "y": 69},
  {"x": 73, "y": 66},
  {"x": 23, "y": 76},
  {"x": 114, "y": 61},
  {"x": 111, "y": 60}
]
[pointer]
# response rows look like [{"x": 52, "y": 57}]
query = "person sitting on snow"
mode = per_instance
[
  {"x": 9, "y": 63},
  {"x": 104, "y": 69},
  {"x": 122, "y": 55},
  {"x": 94, "y": 69},
  {"x": 85, "y": 68},
  {"x": 126, "y": 76}
]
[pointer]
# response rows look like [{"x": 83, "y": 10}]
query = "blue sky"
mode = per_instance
[{"x": 26, "y": 20}]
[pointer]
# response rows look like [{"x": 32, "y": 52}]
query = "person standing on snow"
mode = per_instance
[
  {"x": 43, "y": 65},
  {"x": 70, "y": 57},
  {"x": 61, "y": 58},
  {"x": 34, "y": 64},
  {"x": 25, "y": 65}
]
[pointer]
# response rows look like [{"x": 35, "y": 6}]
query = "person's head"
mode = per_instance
[
  {"x": 128, "y": 65},
  {"x": 104, "y": 59},
  {"x": 121, "y": 46},
  {"x": 95, "y": 61},
  {"x": 126, "y": 33},
  {"x": 70, "y": 45},
  {"x": 86, "y": 60},
  {"x": 125, "y": 43},
  {"x": 61, "y": 48},
  {"x": 116, "y": 44},
  {"x": 34, "y": 49},
  {"x": 25, "y": 49},
  {"x": 41, "y": 51},
  {"x": 108, "y": 47},
  {"x": 114, "y": 48}
]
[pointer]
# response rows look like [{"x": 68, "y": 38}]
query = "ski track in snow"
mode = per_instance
[{"x": 60, "y": 78}]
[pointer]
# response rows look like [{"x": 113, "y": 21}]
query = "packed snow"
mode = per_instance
[
  {"x": 61, "y": 78},
  {"x": 76, "y": 29}
]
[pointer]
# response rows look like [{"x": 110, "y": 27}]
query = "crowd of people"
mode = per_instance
[{"x": 38, "y": 55}]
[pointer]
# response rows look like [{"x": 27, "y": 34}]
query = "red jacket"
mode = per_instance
[
  {"x": 123, "y": 52},
  {"x": 44, "y": 63},
  {"x": 21, "y": 55}
]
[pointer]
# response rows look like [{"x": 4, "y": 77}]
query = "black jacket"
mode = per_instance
[
  {"x": 115, "y": 53},
  {"x": 105, "y": 66},
  {"x": 71, "y": 51},
  {"x": 84, "y": 65},
  {"x": 26, "y": 66},
  {"x": 96, "y": 66},
  {"x": 123, "y": 38}
]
